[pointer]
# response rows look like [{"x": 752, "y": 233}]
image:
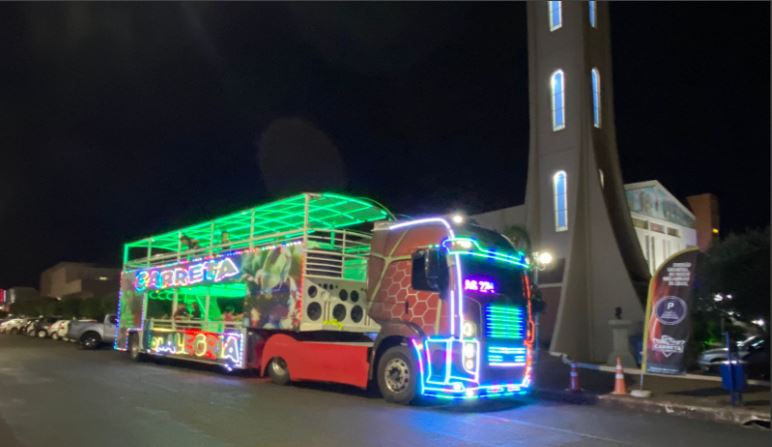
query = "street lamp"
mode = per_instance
[{"x": 542, "y": 260}]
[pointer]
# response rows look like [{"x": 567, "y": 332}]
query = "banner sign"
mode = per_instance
[
  {"x": 668, "y": 324},
  {"x": 188, "y": 273}
]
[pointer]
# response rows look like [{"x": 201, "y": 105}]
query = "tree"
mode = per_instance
[{"x": 731, "y": 287}]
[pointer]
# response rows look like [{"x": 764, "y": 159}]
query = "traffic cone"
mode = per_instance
[
  {"x": 620, "y": 389},
  {"x": 574, "y": 374}
]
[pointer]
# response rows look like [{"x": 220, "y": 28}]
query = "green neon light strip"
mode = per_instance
[
  {"x": 325, "y": 211},
  {"x": 504, "y": 322},
  {"x": 478, "y": 251}
]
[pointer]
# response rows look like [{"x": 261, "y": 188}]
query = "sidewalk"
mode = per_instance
[{"x": 699, "y": 399}]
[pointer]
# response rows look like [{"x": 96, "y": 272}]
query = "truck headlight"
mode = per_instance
[
  {"x": 468, "y": 329},
  {"x": 470, "y": 356}
]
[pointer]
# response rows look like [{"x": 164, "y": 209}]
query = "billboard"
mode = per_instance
[{"x": 667, "y": 324}]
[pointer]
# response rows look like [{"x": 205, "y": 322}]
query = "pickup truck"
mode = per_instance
[{"x": 92, "y": 334}]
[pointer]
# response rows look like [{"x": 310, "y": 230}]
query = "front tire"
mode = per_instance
[
  {"x": 90, "y": 340},
  {"x": 278, "y": 371},
  {"x": 42, "y": 333},
  {"x": 398, "y": 375}
]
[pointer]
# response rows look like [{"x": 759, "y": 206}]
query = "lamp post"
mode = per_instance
[{"x": 542, "y": 260}]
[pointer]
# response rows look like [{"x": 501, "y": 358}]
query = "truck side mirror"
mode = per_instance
[{"x": 430, "y": 270}]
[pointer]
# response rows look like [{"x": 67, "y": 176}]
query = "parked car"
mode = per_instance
[
  {"x": 92, "y": 334},
  {"x": 12, "y": 326},
  {"x": 42, "y": 327},
  {"x": 59, "y": 329},
  {"x": 710, "y": 360},
  {"x": 757, "y": 360},
  {"x": 29, "y": 327}
]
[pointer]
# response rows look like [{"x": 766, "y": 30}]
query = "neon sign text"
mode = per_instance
[
  {"x": 221, "y": 348},
  {"x": 480, "y": 285},
  {"x": 213, "y": 270}
]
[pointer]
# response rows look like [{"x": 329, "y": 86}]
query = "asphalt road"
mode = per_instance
[{"x": 52, "y": 393}]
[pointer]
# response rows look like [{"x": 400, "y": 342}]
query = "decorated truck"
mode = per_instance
[{"x": 327, "y": 287}]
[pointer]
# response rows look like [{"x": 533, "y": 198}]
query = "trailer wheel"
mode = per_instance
[
  {"x": 278, "y": 371},
  {"x": 134, "y": 352},
  {"x": 398, "y": 375}
]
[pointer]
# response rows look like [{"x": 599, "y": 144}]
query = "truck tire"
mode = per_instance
[
  {"x": 398, "y": 375},
  {"x": 90, "y": 340},
  {"x": 42, "y": 333},
  {"x": 278, "y": 371},
  {"x": 14, "y": 331},
  {"x": 134, "y": 351}
]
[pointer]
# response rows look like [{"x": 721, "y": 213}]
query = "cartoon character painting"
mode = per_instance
[{"x": 273, "y": 287}]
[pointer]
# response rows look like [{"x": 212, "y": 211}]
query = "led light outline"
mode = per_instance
[{"x": 457, "y": 265}]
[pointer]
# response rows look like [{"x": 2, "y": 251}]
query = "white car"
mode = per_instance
[
  {"x": 13, "y": 326},
  {"x": 58, "y": 330}
]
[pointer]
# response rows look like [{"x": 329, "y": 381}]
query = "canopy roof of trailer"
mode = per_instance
[{"x": 325, "y": 211}]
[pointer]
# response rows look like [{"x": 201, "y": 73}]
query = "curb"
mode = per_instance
[{"x": 737, "y": 416}]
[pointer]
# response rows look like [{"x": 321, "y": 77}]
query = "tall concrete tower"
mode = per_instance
[{"x": 575, "y": 203}]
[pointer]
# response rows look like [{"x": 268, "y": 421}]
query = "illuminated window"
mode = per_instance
[
  {"x": 596, "y": 97},
  {"x": 593, "y": 14},
  {"x": 561, "y": 200},
  {"x": 558, "y": 101},
  {"x": 556, "y": 15}
]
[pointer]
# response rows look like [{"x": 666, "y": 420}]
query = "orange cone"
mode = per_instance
[
  {"x": 575, "y": 388},
  {"x": 620, "y": 389}
]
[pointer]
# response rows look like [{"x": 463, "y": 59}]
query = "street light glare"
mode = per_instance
[
  {"x": 545, "y": 258},
  {"x": 458, "y": 218}
]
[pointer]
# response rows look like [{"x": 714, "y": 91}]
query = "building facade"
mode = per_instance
[
  {"x": 79, "y": 280},
  {"x": 663, "y": 225}
]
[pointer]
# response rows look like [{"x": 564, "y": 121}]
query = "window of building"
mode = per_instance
[
  {"x": 640, "y": 223},
  {"x": 556, "y": 15},
  {"x": 657, "y": 227},
  {"x": 593, "y": 13},
  {"x": 558, "y": 101},
  {"x": 560, "y": 193},
  {"x": 673, "y": 232},
  {"x": 596, "y": 97}
]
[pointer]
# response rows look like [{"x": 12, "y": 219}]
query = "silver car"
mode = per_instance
[{"x": 710, "y": 360}]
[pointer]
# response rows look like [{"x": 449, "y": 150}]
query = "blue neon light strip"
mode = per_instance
[{"x": 501, "y": 356}]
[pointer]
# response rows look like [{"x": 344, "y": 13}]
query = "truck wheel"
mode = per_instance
[
  {"x": 398, "y": 375},
  {"x": 278, "y": 371},
  {"x": 14, "y": 331},
  {"x": 134, "y": 352},
  {"x": 42, "y": 333},
  {"x": 90, "y": 340}
]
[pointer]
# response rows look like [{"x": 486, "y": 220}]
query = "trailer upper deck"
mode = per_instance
[{"x": 275, "y": 222}]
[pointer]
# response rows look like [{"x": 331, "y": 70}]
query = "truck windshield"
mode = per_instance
[{"x": 500, "y": 283}]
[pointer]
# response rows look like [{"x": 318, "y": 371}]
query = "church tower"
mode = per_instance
[{"x": 575, "y": 202}]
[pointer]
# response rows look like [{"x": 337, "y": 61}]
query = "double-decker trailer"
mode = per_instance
[{"x": 327, "y": 287}]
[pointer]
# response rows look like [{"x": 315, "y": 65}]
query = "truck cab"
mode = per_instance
[{"x": 458, "y": 296}]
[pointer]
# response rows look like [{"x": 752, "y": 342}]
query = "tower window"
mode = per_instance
[
  {"x": 558, "y": 101},
  {"x": 596, "y": 97},
  {"x": 559, "y": 190},
  {"x": 593, "y": 13},
  {"x": 556, "y": 15}
]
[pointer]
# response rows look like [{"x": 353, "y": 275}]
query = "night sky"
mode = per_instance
[{"x": 121, "y": 120}]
